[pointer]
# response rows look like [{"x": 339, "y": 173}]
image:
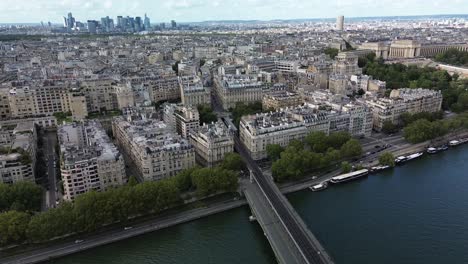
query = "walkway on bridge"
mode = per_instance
[
  {"x": 310, "y": 248},
  {"x": 284, "y": 248}
]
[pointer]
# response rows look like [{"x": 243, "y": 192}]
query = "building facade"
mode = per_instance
[
  {"x": 156, "y": 151},
  {"x": 212, "y": 142},
  {"x": 88, "y": 159},
  {"x": 404, "y": 101},
  {"x": 280, "y": 127}
]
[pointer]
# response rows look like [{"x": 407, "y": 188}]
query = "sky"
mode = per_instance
[{"x": 34, "y": 11}]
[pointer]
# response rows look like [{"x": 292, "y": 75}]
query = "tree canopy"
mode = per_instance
[
  {"x": 453, "y": 57},
  {"x": 20, "y": 196},
  {"x": 387, "y": 159}
]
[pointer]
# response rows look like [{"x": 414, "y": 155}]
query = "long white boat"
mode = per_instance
[
  {"x": 349, "y": 176},
  {"x": 379, "y": 168},
  {"x": 400, "y": 159},
  {"x": 414, "y": 156}
]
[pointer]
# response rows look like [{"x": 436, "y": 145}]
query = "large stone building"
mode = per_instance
[
  {"x": 258, "y": 131},
  {"x": 187, "y": 119},
  {"x": 280, "y": 99},
  {"x": 100, "y": 94},
  {"x": 159, "y": 88},
  {"x": 212, "y": 142},
  {"x": 379, "y": 48},
  {"x": 88, "y": 159},
  {"x": 401, "y": 49},
  {"x": 404, "y": 101},
  {"x": 346, "y": 63},
  {"x": 45, "y": 98},
  {"x": 232, "y": 89},
  {"x": 155, "y": 150},
  {"x": 18, "y": 152},
  {"x": 193, "y": 92},
  {"x": 404, "y": 49}
]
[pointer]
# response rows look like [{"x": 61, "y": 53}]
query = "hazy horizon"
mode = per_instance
[{"x": 216, "y": 10}]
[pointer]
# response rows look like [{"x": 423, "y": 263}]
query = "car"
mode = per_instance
[
  {"x": 314, "y": 177},
  {"x": 377, "y": 146},
  {"x": 128, "y": 227},
  {"x": 78, "y": 241}
]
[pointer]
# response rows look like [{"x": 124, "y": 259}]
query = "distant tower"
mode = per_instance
[
  {"x": 340, "y": 23},
  {"x": 147, "y": 22},
  {"x": 173, "y": 24}
]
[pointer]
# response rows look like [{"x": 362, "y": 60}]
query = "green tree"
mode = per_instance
[
  {"x": 317, "y": 141},
  {"x": 419, "y": 131},
  {"x": 389, "y": 127},
  {"x": 274, "y": 151},
  {"x": 183, "y": 179},
  {"x": 346, "y": 167},
  {"x": 337, "y": 139},
  {"x": 55, "y": 222},
  {"x": 206, "y": 114},
  {"x": 211, "y": 180},
  {"x": 233, "y": 161},
  {"x": 20, "y": 196},
  {"x": 242, "y": 109},
  {"x": 296, "y": 144},
  {"x": 332, "y": 52},
  {"x": 13, "y": 225},
  {"x": 387, "y": 159},
  {"x": 352, "y": 148},
  {"x": 132, "y": 181}
]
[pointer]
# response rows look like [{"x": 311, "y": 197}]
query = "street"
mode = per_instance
[{"x": 50, "y": 145}]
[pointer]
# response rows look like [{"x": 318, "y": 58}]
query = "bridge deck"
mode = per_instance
[
  {"x": 306, "y": 243},
  {"x": 280, "y": 241}
]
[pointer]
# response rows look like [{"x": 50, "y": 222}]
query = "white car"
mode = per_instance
[
  {"x": 78, "y": 241},
  {"x": 128, "y": 227}
]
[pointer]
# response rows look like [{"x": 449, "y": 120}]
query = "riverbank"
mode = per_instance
[{"x": 157, "y": 223}]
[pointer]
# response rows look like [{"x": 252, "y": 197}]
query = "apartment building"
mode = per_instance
[
  {"x": 232, "y": 89},
  {"x": 401, "y": 101},
  {"x": 155, "y": 150},
  {"x": 5, "y": 111},
  {"x": 193, "y": 92},
  {"x": 160, "y": 88},
  {"x": 280, "y": 127},
  {"x": 280, "y": 99},
  {"x": 346, "y": 63},
  {"x": 18, "y": 143},
  {"x": 45, "y": 98},
  {"x": 187, "y": 119},
  {"x": 100, "y": 94},
  {"x": 212, "y": 142},
  {"x": 88, "y": 159}
]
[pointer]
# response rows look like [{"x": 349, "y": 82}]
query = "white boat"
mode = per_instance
[
  {"x": 432, "y": 150},
  {"x": 349, "y": 176},
  {"x": 454, "y": 143},
  {"x": 414, "y": 156},
  {"x": 379, "y": 168},
  {"x": 319, "y": 187},
  {"x": 400, "y": 159}
]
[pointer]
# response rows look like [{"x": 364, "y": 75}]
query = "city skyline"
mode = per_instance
[{"x": 202, "y": 10}]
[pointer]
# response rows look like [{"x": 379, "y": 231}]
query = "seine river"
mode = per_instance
[{"x": 416, "y": 213}]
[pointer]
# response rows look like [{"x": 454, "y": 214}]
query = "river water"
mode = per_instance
[{"x": 416, "y": 213}]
